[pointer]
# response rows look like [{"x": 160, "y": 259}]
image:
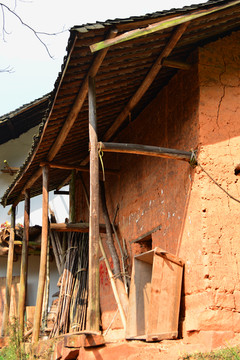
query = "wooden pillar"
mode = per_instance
[
  {"x": 93, "y": 300},
  {"x": 24, "y": 263},
  {"x": 43, "y": 257},
  {"x": 72, "y": 199},
  {"x": 9, "y": 274}
]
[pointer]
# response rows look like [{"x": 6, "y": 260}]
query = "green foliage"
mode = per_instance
[
  {"x": 232, "y": 353},
  {"x": 15, "y": 349}
]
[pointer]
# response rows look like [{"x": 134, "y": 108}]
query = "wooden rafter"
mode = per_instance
[
  {"x": 78, "y": 102},
  {"x": 71, "y": 116},
  {"x": 146, "y": 82},
  {"x": 144, "y": 86}
]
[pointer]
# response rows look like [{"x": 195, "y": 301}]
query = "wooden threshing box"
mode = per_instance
[{"x": 155, "y": 294}]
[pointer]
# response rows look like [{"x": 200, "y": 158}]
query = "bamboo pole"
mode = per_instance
[
  {"x": 145, "y": 150},
  {"x": 164, "y": 24},
  {"x": 9, "y": 274},
  {"x": 93, "y": 302},
  {"x": 24, "y": 263},
  {"x": 43, "y": 257}
]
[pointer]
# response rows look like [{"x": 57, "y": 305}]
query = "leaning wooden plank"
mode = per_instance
[
  {"x": 145, "y": 150},
  {"x": 9, "y": 274},
  {"x": 146, "y": 82},
  {"x": 43, "y": 258},
  {"x": 161, "y": 25}
]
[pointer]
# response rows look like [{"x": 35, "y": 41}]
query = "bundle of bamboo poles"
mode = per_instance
[
  {"x": 72, "y": 305},
  {"x": 78, "y": 307}
]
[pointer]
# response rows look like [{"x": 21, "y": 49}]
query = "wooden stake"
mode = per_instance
[
  {"x": 43, "y": 258},
  {"x": 9, "y": 274},
  {"x": 24, "y": 263},
  {"x": 93, "y": 301}
]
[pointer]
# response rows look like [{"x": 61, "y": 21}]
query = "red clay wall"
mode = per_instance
[{"x": 210, "y": 242}]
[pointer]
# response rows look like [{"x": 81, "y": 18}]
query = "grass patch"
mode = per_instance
[
  {"x": 15, "y": 350},
  {"x": 229, "y": 353}
]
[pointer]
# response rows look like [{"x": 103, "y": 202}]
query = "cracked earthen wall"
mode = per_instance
[{"x": 212, "y": 287}]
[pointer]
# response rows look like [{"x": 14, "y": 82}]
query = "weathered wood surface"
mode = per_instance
[
  {"x": 154, "y": 296},
  {"x": 9, "y": 273},
  {"x": 145, "y": 150},
  {"x": 24, "y": 262},
  {"x": 93, "y": 319},
  {"x": 43, "y": 257},
  {"x": 13, "y": 307}
]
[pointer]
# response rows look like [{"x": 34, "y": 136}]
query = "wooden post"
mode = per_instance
[
  {"x": 43, "y": 257},
  {"x": 9, "y": 274},
  {"x": 24, "y": 263},
  {"x": 72, "y": 200},
  {"x": 93, "y": 301}
]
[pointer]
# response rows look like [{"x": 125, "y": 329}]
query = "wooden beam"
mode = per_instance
[
  {"x": 77, "y": 168},
  {"x": 176, "y": 64},
  {"x": 146, "y": 82},
  {"x": 24, "y": 263},
  {"x": 9, "y": 274},
  {"x": 145, "y": 150},
  {"x": 78, "y": 102},
  {"x": 158, "y": 26},
  {"x": 28, "y": 185},
  {"x": 93, "y": 297},
  {"x": 43, "y": 257},
  {"x": 78, "y": 227}
]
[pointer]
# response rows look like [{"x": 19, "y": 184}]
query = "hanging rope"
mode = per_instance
[
  {"x": 193, "y": 162},
  {"x": 100, "y": 154}
]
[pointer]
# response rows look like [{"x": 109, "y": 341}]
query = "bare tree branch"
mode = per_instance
[{"x": 36, "y": 33}]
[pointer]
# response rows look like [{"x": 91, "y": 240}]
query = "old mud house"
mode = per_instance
[{"x": 131, "y": 92}]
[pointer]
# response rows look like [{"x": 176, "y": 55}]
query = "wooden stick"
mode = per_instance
[
  {"x": 116, "y": 263},
  {"x": 176, "y": 64},
  {"x": 9, "y": 274},
  {"x": 78, "y": 227},
  {"x": 43, "y": 258},
  {"x": 146, "y": 83},
  {"x": 77, "y": 168},
  {"x": 145, "y": 150},
  {"x": 94, "y": 300},
  {"x": 165, "y": 24},
  {"x": 24, "y": 263},
  {"x": 78, "y": 102}
]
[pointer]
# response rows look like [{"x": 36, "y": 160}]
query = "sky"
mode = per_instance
[{"x": 32, "y": 72}]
